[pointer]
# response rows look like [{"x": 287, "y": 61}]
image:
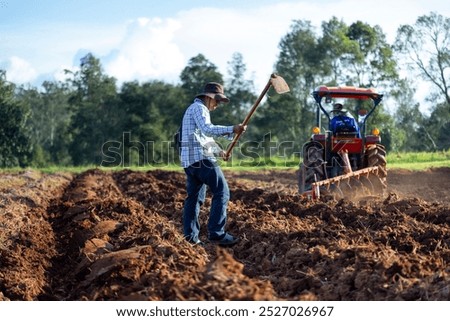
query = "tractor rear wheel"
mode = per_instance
[
  {"x": 376, "y": 156},
  {"x": 312, "y": 168}
]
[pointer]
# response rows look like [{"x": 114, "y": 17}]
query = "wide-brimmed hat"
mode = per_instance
[
  {"x": 214, "y": 90},
  {"x": 338, "y": 107}
]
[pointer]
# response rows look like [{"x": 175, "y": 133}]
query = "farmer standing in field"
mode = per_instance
[{"x": 198, "y": 158}]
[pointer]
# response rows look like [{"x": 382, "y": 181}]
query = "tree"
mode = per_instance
[
  {"x": 289, "y": 117},
  {"x": 15, "y": 147},
  {"x": 197, "y": 73},
  {"x": 409, "y": 121},
  {"x": 443, "y": 139},
  {"x": 372, "y": 63},
  {"x": 96, "y": 117},
  {"x": 239, "y": 90},
  {"x": 437, "y": 126},
  {"x": 170, "y": 102},
  {"x": 358, "y": 55},
  {"x": 151, "y": 116},
  {"x": 59, "y": 115},
  {"x": 426, "y": 46},
  {"x": 48, "y": 123},
  {"x": 337, "y": 47}
]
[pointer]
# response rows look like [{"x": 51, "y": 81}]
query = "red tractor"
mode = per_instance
[{"x": 343, "y": 157}]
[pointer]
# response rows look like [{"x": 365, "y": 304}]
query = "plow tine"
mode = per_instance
[
  {"x": 338, "y": 190},
  {"x": 378, "y": 184},
  {"x": 356, "y": 182},
  {"x": 347, "y": 188},
  {"x": 365, "y": 181},
  {"x": 363, "y": 185}
]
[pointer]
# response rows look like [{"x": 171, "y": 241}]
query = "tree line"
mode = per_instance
[{"x": 89, "y": 120}]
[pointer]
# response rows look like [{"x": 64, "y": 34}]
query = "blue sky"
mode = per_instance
[{"x": 146, "y": 40}]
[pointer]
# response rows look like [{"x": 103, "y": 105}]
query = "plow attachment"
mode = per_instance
[{"x": 363, "y": 182}]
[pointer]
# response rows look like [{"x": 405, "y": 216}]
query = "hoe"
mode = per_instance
[{"x": 279, "y": 85}]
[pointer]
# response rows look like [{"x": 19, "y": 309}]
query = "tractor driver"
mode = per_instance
[{"x": 343, "y": 121}]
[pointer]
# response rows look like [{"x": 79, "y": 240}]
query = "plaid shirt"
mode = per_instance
[{"x": 197, "y": 141}]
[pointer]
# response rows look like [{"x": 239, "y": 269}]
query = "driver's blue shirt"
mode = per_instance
[{"x": 344, "y": 123}]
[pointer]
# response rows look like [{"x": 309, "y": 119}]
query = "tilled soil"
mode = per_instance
[{"x": 116, "y": 235}]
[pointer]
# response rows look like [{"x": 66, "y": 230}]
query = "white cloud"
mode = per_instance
[
  {"x": 156, "y": 48},
  {"x": 147, "y": 51},
  {"x": 19, "y": 70},
  {"x": 218, "y": 33}
]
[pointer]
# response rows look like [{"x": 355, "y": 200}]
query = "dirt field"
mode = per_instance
[{"x": 117, "y": 236}]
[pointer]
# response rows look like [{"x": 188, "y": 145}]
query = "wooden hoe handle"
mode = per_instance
[{"x": 247, "y": 118}]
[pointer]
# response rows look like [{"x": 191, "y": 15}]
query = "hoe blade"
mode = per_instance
[{"x": 279, "y": 84}]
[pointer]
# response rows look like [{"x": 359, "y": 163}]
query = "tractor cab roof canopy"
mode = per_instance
[{"x": 347, "y": 92}]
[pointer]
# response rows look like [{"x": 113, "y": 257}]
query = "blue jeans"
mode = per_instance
[{"x": 199, "y": 176}]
